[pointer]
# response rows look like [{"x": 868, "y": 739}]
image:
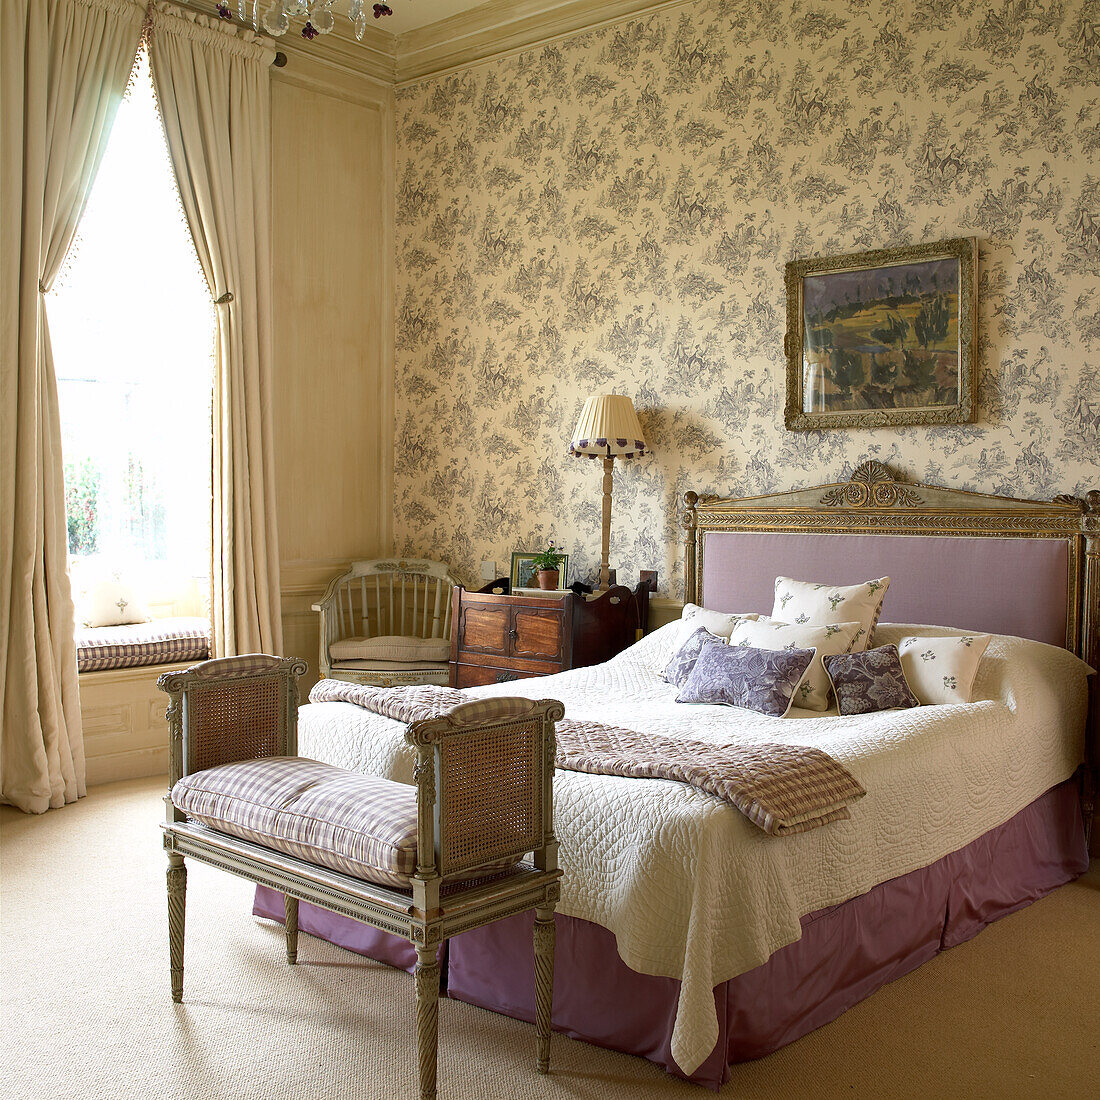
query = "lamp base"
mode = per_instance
[{"x": 605, "y": 569}]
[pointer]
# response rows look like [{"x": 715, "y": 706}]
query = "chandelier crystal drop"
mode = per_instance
[{"x": 275, "y": 20}]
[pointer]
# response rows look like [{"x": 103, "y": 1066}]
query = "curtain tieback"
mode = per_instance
[
  {"x": 42, "y": 288},
  {"x": 225, "y": 299}
]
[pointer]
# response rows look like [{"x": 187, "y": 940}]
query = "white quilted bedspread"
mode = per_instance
[{"x": 690, "y": 888}]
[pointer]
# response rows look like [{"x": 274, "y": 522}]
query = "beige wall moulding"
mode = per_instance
[{"x": 483, "y": 33}]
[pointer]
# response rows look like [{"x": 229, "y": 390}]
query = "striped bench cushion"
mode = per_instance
[
  {"x": 160, "y": 642},
  {"x": 360, "y": 825}
]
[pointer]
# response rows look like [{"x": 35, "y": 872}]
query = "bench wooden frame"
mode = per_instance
[{"x": 239, "y": 708}]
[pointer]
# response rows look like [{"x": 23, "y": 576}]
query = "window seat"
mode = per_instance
[
  {"x": 136, "y": 645},
  {"x": 121, "y": 707}
]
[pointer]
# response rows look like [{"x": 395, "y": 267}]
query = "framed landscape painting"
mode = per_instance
[{"x": 883, "y": 338}]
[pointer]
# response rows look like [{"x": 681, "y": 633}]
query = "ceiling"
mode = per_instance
[
  {"x": 430, "y": 37},
  {"x": 408, "y": 15}
]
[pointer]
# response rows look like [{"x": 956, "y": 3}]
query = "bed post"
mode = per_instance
[
  {"x": 687, "y": 521},
  {"x": 1090, "y": 652}
]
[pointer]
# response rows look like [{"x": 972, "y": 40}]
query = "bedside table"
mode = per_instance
[{"x": 496, "y": 638}]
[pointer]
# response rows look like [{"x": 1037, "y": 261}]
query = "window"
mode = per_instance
[{"x": 132, "y": 328}]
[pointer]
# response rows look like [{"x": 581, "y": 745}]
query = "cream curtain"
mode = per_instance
[
  {"x": 63, "y": 70},
  {"x": 212, "y": 82}
]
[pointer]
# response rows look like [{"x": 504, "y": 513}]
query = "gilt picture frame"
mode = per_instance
[{"x": 883, "y": 338}]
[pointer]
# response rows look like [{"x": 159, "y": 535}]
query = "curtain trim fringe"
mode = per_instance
[
  {"x": 114, "y": 7},
  {"x": 210, "y": 32}
]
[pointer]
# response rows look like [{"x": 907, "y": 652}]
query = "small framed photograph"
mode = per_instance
[
  {"x": 882, "y": 339},
  {"x": 523, "y": 570}
]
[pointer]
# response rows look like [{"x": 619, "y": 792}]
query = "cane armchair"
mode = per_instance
[
  {"x": 483, "y": 825},
  {"x": 387, "y": 623}
]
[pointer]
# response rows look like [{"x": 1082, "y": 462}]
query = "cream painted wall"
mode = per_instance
[
  {"x": 613, "y": 212},
  {"x": 332, "y": 237}
]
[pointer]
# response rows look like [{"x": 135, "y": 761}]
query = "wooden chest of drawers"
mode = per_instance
[{"x": 496, "y": 638}]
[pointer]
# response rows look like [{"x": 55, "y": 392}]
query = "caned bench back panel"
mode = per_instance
[
  {"x": 484, "y": 778},
  {"x": 230, "y": 709},
  {"x": 491, "y": 795},
  {"x": 233, "y": 720}
]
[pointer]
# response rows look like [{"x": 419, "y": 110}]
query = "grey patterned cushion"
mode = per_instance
[
  {"x": 869, "y": 681},
  {"x": 763, "y": 680},
  {"x": 679, "y": 668}
]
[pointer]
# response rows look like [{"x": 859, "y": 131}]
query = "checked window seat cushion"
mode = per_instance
[
  {"x": 360, "y": 825},
  {"x": 136, "y": 645}
]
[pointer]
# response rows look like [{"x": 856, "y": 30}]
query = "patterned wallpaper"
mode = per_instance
[{"x": 614, "y": 212}]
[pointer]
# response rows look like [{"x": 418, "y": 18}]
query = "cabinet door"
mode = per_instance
[
  {"x": 537, "y": 634},
  {"x": 484, "y": 629}
]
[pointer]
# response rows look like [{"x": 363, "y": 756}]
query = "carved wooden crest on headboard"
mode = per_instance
[{"x": 872, "y": 486}]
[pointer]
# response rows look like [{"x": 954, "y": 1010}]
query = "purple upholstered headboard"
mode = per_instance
[{"x": 995, "y": 585}]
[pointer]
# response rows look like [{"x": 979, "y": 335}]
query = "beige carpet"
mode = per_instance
[{"x": 86, "y": 1008}]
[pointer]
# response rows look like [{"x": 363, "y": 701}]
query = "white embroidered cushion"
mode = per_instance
[
  {"x": 942, "y": 670},
  {"x": 805, "y": 602},
  {"x": 111, "y": 602},
  {"x": 827, "y": 638},
  {"x": 717, "y": 622},
  {"x": 390, "y": 647}
]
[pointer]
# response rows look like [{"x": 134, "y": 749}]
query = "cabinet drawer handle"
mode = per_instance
[
  {"x": 513, "y": 634},
  {"x": 504, "y": 677}
]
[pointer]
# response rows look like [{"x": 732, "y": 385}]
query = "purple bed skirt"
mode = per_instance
[{"x": 846, "y": 952}]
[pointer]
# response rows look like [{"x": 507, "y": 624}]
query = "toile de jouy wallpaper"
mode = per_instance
[{"x": 613, "y": 213}]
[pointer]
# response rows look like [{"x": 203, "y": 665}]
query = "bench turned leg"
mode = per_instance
[
  {"x": 291, "y": 909},
  {"x": 427, "y": 1018},
  {"x": 544, "y": 983},
  {"x": 177, "y": 906}
]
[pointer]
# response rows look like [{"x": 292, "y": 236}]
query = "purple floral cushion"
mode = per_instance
[
  {"x": 869, "y": 681},
  {"x": 679, "y": 668},
  {"x": 763, "y": 680}
]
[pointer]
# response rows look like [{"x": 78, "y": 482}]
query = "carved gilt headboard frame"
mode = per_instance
[{"x": 875, "y": 502}]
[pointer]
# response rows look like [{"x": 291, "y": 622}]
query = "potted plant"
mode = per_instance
[{"x": 547, "y": 564}]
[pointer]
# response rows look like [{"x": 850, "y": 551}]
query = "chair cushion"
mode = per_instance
[
  {"x": 390, "y": 647},
  {"x": 394, "y": 666},
  {"x": 360, "y": 825}
]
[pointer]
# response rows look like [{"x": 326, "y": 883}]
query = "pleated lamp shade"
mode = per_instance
[{"x": 608, "y": 427}]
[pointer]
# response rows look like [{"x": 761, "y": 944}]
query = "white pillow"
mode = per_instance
[
  {"x": 111, "y": 602},
  {"x": 827, "y": 638},
  {"x": 805, "y": 602},
  {"x": 942, "y": 670},
  {"x": 717, "y": 622}
]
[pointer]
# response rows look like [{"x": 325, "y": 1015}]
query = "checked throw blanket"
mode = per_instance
[{"x": 781, "y": 788}]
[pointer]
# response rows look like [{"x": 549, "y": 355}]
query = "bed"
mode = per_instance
[{"x": 691, "y": 938}]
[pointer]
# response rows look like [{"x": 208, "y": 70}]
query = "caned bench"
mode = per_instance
[{"x": 424, "y": 862}]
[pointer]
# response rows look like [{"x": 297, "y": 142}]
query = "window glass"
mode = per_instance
[{"x": 132, "y": 328}]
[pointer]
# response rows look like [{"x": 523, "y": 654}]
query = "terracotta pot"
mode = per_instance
[{"x": 548, "y": 578}]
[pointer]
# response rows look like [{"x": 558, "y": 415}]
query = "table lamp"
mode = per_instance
[{"x": 608, "y": 426}]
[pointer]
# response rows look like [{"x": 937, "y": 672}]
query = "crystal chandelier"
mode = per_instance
[{"x": 317, "y": 13}]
